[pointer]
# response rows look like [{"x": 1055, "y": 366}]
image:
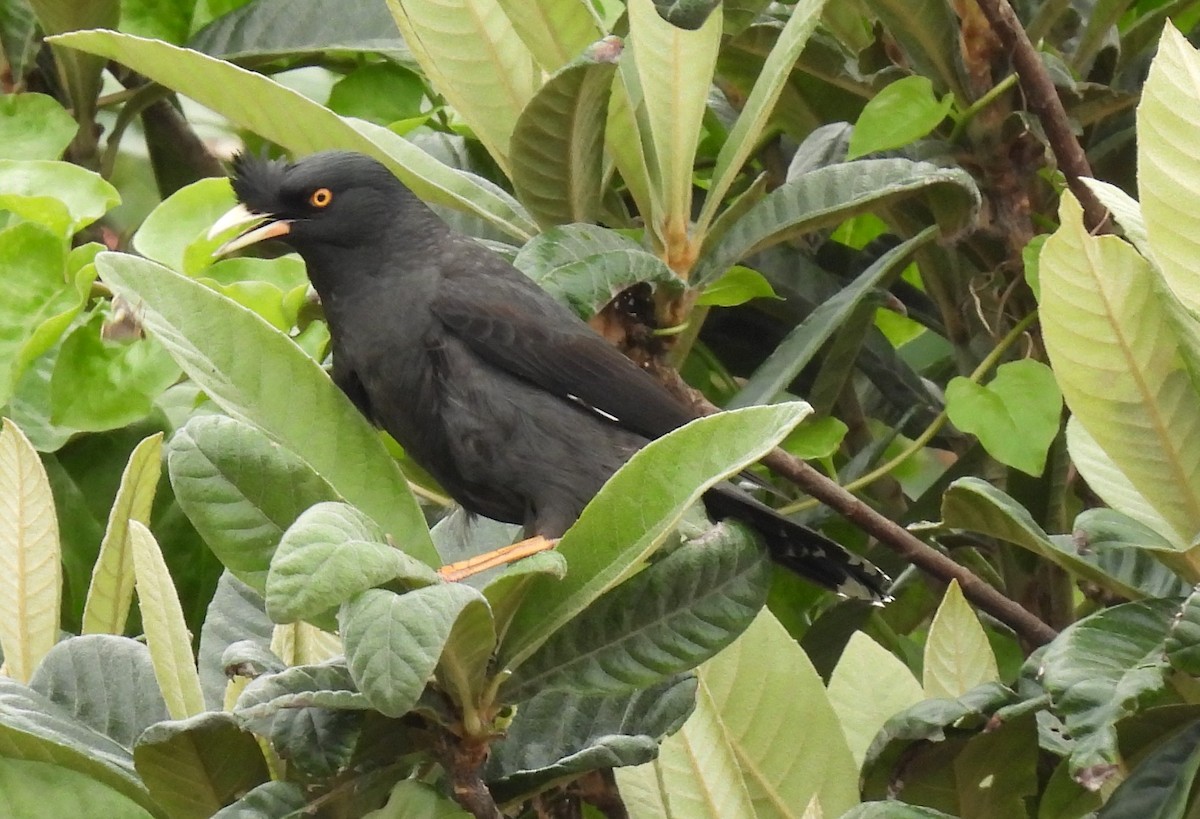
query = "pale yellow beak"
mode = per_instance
[{"x": 240, "y": 216}]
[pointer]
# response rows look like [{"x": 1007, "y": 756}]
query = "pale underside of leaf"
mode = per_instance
[
  {"x": 30, "y": 562},
  {"x": 958, "y": 656},
  {"x": 1112, "y": 339}
]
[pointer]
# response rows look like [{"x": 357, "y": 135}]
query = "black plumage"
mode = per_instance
[{"x": 518, "y": 409}]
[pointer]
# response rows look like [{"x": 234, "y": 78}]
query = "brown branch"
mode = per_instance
[
  {"x": 1043, "y": 101},
  {"x": 904, "y": 543},
  {"x": 463, "y": 759},
  {"x": 1025, "y": 623}
]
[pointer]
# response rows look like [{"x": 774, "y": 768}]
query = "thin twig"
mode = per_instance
[{"x": 1042, "y": 100}]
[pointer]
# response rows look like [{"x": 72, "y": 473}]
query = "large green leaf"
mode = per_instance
[
  {"x": 741, "y": 753},
  {"x": 331, "y": 553},
  {"x": 807, "y": 338},
  {"x": 30, "y": 556},
  {"x": 34, "y": 790},
  {"x": 928, "y": 32},
  {"x": 558, "y": 141},
  {"x": 194, "y": 767},
  {"x": 958, "y": 656},
  {"x": 166, "y": 632},
  {"x": 555, "y": 32},
  {"x": 752, "y": 119},
  {"x": 975, "y": 505},
  {"x": 288, "y": 118},
  {"x": 59, "y": 195},
  {"x": 1168, "y": 181},
  {"x": 586, "y": 266},
  {"x": 394, "y": 641},
  {"x": 869, "y": 686},
  {"x": 34, "y": 728},
  {"x": 665, "y": 620},
  {"x": 111, "y": 591},
  {"x": 626, "y": 141},
  {"x": 675, "y": 67},
  {"x": 106, "y": 682},
  {"x": 39, "y": 302},
  {"x": 241, "y": 490},
  {"x": 472, "y": 56},
  {"x": 33, "y": 126},
  {"x": 830, "y": 195},
  {"x": 558, "y": 734},
  {"x": 1161, "y": 783},
  {"x": 1110, "y": 483},
  {"x": 1112, "y": 335},
  {"x": 211, "y": 336},
  {"x": 234, "y": 615},
  {"x": 1101, "y": 669},
  {"x": 635, "y": 511},
  {"x": 280, "y": 28}
]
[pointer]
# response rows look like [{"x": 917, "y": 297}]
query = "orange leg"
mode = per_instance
[{"x": 499, "y": 557}]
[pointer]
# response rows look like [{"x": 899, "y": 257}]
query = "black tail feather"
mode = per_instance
[{"x": 800, "y": 549}]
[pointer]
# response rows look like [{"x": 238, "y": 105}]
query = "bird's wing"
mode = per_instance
[{"x": 514, "y": 325}]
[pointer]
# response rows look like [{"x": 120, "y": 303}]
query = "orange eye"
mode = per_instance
[{"x": 320, "y": 197}]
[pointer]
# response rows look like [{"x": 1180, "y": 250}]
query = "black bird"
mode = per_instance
[{"x": 519, "y": 409}]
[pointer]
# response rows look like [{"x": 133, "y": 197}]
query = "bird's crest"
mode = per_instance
[{"x": 257, "y": 181}]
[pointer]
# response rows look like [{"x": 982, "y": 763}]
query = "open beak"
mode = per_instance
[{"x": 240, "y": 216}]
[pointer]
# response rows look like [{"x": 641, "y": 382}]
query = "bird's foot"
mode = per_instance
[{"x": 454, "y": 572}]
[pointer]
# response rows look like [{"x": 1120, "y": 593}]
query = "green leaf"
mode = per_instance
[
  {"x": 675, "y": 69},
  {"x": 379, "y": 92},
  {"x": 1160, "y": 784},
  {"x": 235, "y": 614},
  {"x": 30, "y": 557},
  {"x": 301, "y": 686},
  {"x": 100, "y": 385},
  {"x": 1183, "y": 642},
  {"x": 958, "y": 656},
  {"x": 739, "y": 754},
  {"x": 466, "y": 659},
  {"x": 36, "y": 729},
  {"x": 626, "y": 140},
  {"x": 903, "y": 112},
  {"x": 34, "y": 790},
  {"x": 635, "y": 511},
  {"x": 558, "y": 142},
  {"x": 194, "y": 767},
  {"x": 166, "y": 632},
  {"x": 508, "y": 590},
  {"x": 111, "y": 591},
  {"x": 1168, "y": 184},
  {"x": 754, "y": 115},
  {"x": 737, "y": 285},
  {"x": 175, "y": 233},
  {"x": 472, "y": 56},
  {"x": 830, "y": 195},
  {"x": 105, "y": 682},
  {"x": 803, "y": 342},
  {"x": 977, "y": 506},
  {"x": 586, "y": 266},
  {"x": 1016, "y": 416},
  {"x": 893, "y": 809},
  {"x": 271, "y": 799},
  {"x": 286, "y": 28},
  {"x": 34, "y": 126},
  {"x": 240, "y": 490},
  {"x": 329, "y": 554},
  {"x": 928, "y": 32},
  {"x": 79, "y": 196},
  {"x": 868, "y": 687},
  {"x": 394, "y": 641},
  {"x": 555, "y": 32},
  {"x": 663, "y": 621},
  {"x": 209, "y": 336},
  {"x": 39, "y": 302},
  {"x": 1110, "y": 483},
  {"x": 254, "y": 102},
  {"x": 1113, "y": 340},
  {"x": 411, "y": 799},
  {"x": 1099, "y": 670},
  {"x": 557, "y": 734}
]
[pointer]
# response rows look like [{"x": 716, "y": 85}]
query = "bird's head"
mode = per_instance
[{"x": 334, "y": 199}]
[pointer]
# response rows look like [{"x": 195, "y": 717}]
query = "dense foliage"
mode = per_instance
[{"x": 217, "y": 585}]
